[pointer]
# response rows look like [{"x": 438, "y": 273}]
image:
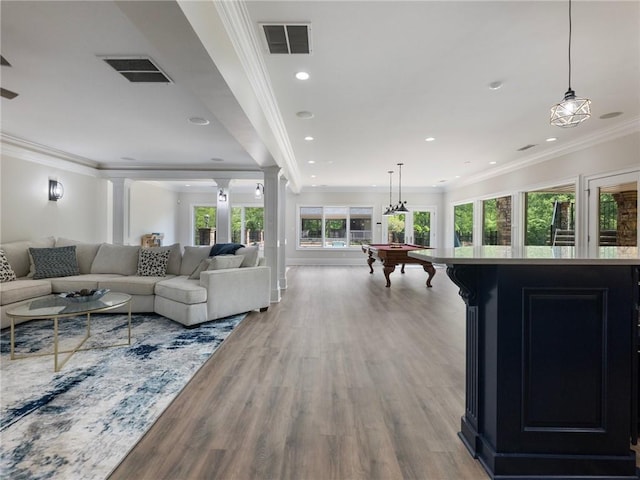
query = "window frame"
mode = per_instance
[{"x": 324, "y": 246}]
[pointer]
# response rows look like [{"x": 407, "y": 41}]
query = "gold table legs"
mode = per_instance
[{"x": 57, "y": 365}]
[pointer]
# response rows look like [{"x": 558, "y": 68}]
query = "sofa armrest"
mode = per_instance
[{"x": 236, "y": 290}]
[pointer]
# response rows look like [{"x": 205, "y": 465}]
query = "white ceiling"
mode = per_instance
[{"x": 384, "y": 75}]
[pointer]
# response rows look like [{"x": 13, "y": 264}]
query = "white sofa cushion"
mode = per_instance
[
  {"x": 78, "y": 282},
  {"x": 23, "y": 289},
  {"x": 133, "y": 285},
  {"x": 175, "y": 257},
  {"x": 85, "y": 252},
  {"x": 120, "y": 259},
  {"x": 192, "y": 257},
  {"x": 181, "y": 289}
]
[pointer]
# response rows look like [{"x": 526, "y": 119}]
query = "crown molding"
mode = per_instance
[
  {"x": 43, "y": 155},
  {"x": 239, "y": 28},
  {"x": 620, "y": 130}
]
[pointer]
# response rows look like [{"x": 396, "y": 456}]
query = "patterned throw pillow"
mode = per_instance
[
  {"x": 6, "y": 272},
  {"x": 54, "y": 262},
  {"x": 153, "y": 263}
]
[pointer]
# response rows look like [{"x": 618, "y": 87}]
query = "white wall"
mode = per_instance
[
  {"x": 153, "y": 209},
  {"x": 378, "y": 199},
  {"x": 27, "y": 213}
]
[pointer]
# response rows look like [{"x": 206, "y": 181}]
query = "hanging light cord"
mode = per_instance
[
  {"x": 390, "y": 200},
  {"x": 569, "y": 44}
]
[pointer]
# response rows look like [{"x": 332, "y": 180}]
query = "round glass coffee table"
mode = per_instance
[{"x": 56, "y": 308}]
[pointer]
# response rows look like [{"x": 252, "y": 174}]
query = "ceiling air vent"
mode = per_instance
[
  {"x": 287, "y": 39},
  {"x": 138, "y": 69},
  {"x": 526, "y": 147}
]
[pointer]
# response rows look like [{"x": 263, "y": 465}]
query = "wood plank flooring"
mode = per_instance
[{"x": 343, "y": 379}]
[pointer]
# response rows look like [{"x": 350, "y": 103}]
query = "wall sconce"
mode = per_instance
[
  {"x": 222, "y": 197},
  {"x": 259, "y": 191},
  {"x": 56, "y": 190}
]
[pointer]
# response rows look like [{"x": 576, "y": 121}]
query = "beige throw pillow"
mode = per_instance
[{"x": 224, "y": 262}]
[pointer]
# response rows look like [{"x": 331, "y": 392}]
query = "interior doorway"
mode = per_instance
[{"x": 417, "y": 226}]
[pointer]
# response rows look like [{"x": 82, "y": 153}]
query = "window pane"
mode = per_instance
[
  {"x": 360, "y": 225},
  {"x": 254, "y": 225},
  {"x": 496, "y": 221},
  {"x": 395, "y": 228},
  {"x": 550, "y": 217},
  {"x": 422, "y": 228},
  {"x": 463, "y": 224},
  {"x": 204, "y": 221},
  {"x": 311, "y": 227},
  {"x": 335, "y": 231},
  {"x": 236, "y": 224}
]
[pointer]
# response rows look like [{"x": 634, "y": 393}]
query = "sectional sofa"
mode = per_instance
[{"x": 186, "y": 285}]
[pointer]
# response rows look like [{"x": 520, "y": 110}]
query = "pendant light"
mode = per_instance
[
  {"x": 400, "y": 208},
  {"x": 572, "y": 110},
  {"x": 389, "y": 211}
]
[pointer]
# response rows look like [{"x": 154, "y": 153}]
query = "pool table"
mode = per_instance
[{"x": 392, "y": 254}]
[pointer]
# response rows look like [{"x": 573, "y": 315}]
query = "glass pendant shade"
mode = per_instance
[{"x": 571, "y": 111}]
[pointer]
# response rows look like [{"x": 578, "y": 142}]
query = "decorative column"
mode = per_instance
[
  {"x": 120, "y": 204},
  {"x": 282, "y": 232},
  {"x": 271, "y": 231},
  {"x": 223, "y": 211}
]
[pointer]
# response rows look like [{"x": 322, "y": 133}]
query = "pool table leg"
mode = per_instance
[
  {"x": 388, "y": 270},
  {"x": 370, "y": 261},
  {"x": 431, "y": 271}
]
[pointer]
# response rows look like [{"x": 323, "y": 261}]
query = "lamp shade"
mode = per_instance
[
  {"x": 56, "y": 190},
  {"x": 571, "y": 111}
]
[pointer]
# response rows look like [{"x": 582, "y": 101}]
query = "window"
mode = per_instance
[
  {"x": 204, "y": 224},
  {"x": 463, "y": 224},
  {"x": 496, "y": 221},
  {"x": 550, "y": 216},
  {"x": 247, "y": 225},
  {"x": 334, "y": 227}
]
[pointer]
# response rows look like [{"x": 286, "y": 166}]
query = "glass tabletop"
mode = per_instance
[{"x": 55, "y": 305}]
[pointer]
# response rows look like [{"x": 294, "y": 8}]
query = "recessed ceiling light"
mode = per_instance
[
  {"x": 493, "y": 163},
  {"x": 198, "y": 121},
  {"x": 457, "y": 176},
  {"x": 308, "y": 138},
  {"x": 302, "y": 76},
  {"x": 442, "y": 181},
  {"x": 429, "y": 139},
  {"x": 551, "y": 139},
  {"x": 313, "y": 176},
  {"x": 187, "y": 185},
  {"x": 314, "y": 185},
  {"x": 311, "y": 162},
  {"x": 217, "y": 159},
  {"x": 495, "y": 85},
  {"x": 374, "y": 185},
  {"x": 606, "y": 116},
  {"x": 128, "y": 159},
  {"x": 304, "y": 114},
  {"x": 467, "y": 162}
]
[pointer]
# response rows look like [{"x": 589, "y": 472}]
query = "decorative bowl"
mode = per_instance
[{"x": 84, "y": 295}]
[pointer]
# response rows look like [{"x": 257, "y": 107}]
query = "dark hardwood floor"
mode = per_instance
[{"x": 343, "y": 379}]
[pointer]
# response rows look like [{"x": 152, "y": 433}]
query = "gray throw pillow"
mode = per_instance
[
  {"x": 54, "y": 262},
  {"x": 120, "y": 259},
  {"x": 250, "y": 256},
  {"x": 202, "y": 266},
  {"x": 6, "y": 272}
]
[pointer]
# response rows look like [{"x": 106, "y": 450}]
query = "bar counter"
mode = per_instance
[{"x": 551, "y": 359}]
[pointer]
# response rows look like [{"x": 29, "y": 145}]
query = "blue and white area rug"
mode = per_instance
[{"x": 79, "y": 423}]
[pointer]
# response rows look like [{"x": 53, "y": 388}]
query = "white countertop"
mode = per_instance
[{"x": 494, "y": 255}]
